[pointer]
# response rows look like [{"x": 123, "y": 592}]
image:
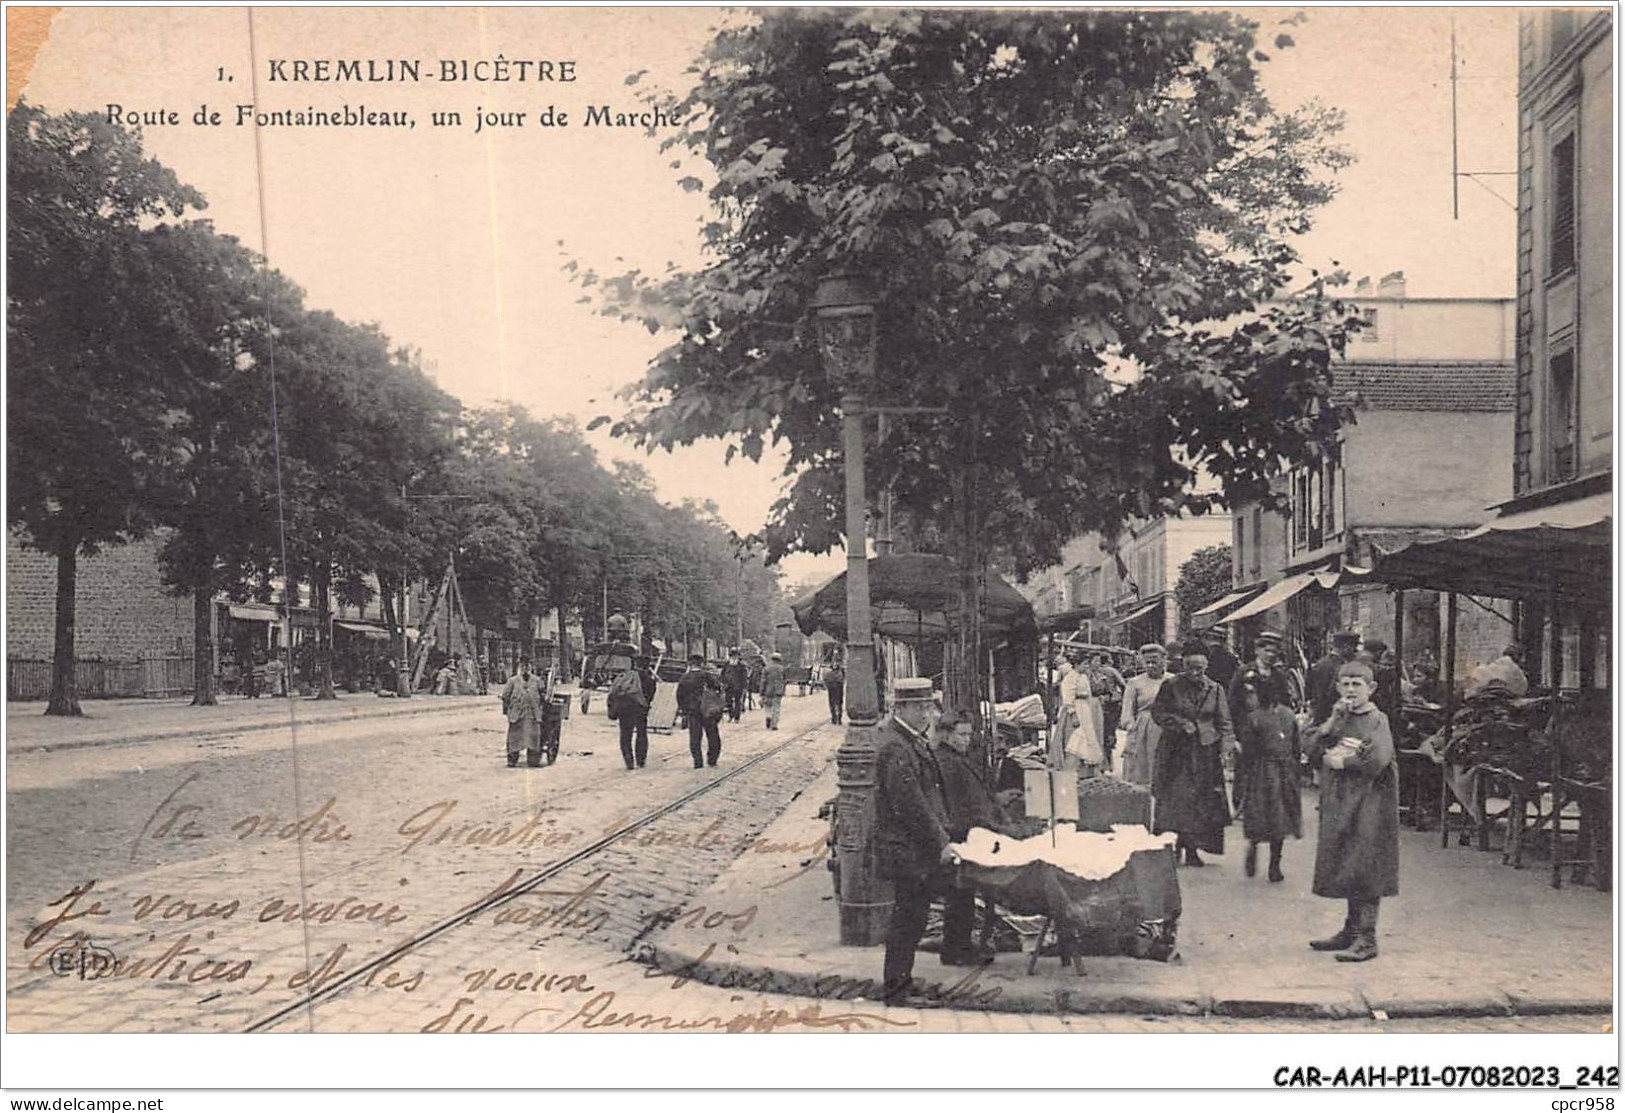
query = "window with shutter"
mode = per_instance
[{"x": 1561, "y": 251}]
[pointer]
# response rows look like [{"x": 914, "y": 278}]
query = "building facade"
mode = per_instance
[
  {"x": 1433, "y": 382},
  {"x": 1562, "y": 451},
  {"x": 1128, "y": 589}
]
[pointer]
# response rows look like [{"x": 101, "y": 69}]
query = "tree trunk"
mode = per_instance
[
  {"x": 203, "y": 648},
  {"x": 64, "y": 681},
  {"x": 563, "y": 634},
  {"x": 322, "y": 581}
]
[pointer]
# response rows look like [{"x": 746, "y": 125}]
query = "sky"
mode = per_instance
[{"x": 451, "y": 240}]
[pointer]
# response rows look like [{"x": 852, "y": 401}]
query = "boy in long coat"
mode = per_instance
[{"x": 1357, "y": 855}]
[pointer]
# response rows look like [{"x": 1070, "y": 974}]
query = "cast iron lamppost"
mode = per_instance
[{"x": 844, "y": 314}]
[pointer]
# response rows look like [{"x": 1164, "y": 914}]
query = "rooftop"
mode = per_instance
[{"x": 1483, "y": 386}]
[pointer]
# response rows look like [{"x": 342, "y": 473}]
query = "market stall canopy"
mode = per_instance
[
  {"x": 366, "y": 629},
  {"x": 1567, "y": 548},
  {"x": 1278, "y": 593},
  {"x": 913, "y": 597},
  {"x": 1066, "y": 621}
]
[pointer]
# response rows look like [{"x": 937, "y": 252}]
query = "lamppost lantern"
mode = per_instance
[{"x": 843, "y": 310}]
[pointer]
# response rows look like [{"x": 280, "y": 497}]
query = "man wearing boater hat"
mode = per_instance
[{"x": 911, "y": 837}]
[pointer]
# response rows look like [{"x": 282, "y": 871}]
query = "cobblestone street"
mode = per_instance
[
  {"x": 191, "y": 876},
  {"x": 185, "y": 866}
]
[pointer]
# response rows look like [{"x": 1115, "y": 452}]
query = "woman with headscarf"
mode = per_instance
[
  {"x": 1187, "y": 784},
  {"x": 1139, "y": 692}
]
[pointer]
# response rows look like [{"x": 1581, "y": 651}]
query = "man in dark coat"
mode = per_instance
[
  {"x": 690, "y": 692},
  {"x": 970, "y": 804},
  {"x": 835, "y": 688},
  {"x": 1323, "y": 674},
  {"x": 911, "y": 836},
  {"x": 1221, "y": 663},
  {"x": 634, "y": 720},
  {"x": 735, "y": 677}
]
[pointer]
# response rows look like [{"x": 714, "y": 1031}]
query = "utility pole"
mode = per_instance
[{"x": 1455, "y": 166}]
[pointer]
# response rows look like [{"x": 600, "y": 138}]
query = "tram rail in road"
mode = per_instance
[{"x": 537, "y": 879}]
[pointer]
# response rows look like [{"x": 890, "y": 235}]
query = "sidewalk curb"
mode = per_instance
[
  {"x": 1118, "y": 998},
  {"x": 211, "y": 730}
]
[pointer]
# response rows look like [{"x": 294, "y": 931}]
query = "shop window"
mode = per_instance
[
  {"x": 1368, "y": 334},
  {"x": 1561, "y": 25},
  {"x": 1563, "y": 416},
  {"x": 1561, "y": 251},
  {"x": 1599, "y": 674}
]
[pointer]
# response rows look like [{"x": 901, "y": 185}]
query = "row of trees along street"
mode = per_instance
[
  {"x": 1079, "y": 224},
  {"x": 161, "y": 377}
]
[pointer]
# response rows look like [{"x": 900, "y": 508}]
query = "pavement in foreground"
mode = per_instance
[
  {"x": 224, "y": 919},
  {"x": 1466, "y": 937}
]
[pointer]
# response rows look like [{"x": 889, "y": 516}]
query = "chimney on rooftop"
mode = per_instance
[
  {"x": 1392, "y": 285},
  {"x": 1363, "y": 286}
]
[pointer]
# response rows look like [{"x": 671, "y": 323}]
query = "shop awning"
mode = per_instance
[
  {"x": 366, "y": 629},
  {"x": 1566, "y": 548},
  {"x": 1139, "y": 613},
  {"x": 1214, "y": 612},
  {"x": 253, "y": 612},
  {"x": 1278, "y": 593}
]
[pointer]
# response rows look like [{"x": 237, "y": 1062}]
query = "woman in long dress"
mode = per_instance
[
  {"x": 1082, "y": 740},
  {"x": 1140, "y": 750},
  {"x": 1188, "y": 782}
]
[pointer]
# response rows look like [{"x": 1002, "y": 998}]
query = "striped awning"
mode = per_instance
[
  {"x": 253, "y": 612},
  {"x": 1139, "y": 613},
  {"x": 1214, "y": 612}
]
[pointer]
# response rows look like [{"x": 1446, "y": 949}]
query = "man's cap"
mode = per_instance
[
  {"x": 1268, "y": 637},
  {"x": 1346, "y": 637},
  {"x": 700, "y": 657},
  {"x": 912, "y": 688},
  {"x": 1152, "y": 647},
  {"x": 778, "y": 656},
  {"x": 1376, "y": 646}
]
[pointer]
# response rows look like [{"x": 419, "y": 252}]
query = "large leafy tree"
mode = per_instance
[
  {"x": 356, "y": 422},
  {"x": 91, "y": 333},
  {"x": 1076, "y": 222},
  {"x": 219, "y": 501},
  {"x": 1204, "y": 578}
]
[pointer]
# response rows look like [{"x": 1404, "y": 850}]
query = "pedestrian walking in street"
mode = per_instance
[
  {"x": 628, "y": 702},
  {"x": 1267, "y": 790},
  {"x": 1107, "y": 685},
  {"x": 1221, "y": 663},
  {"x": 1357, "y": 852},
  {"x": 1188, "y": 782},
  {"x": 911, "y": 840},
  {"x": 835, "y": 688},
  {"x": 970, "y": 804},
  {"x": 522, "y": 700},
  {"x": 735, "y": 679},
  {"x": 773, "y": 689},
  {"x": 700, "y": 699},
  {"x": 1139, "y": 692},
  {"x": 1322, "y": 682}
]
